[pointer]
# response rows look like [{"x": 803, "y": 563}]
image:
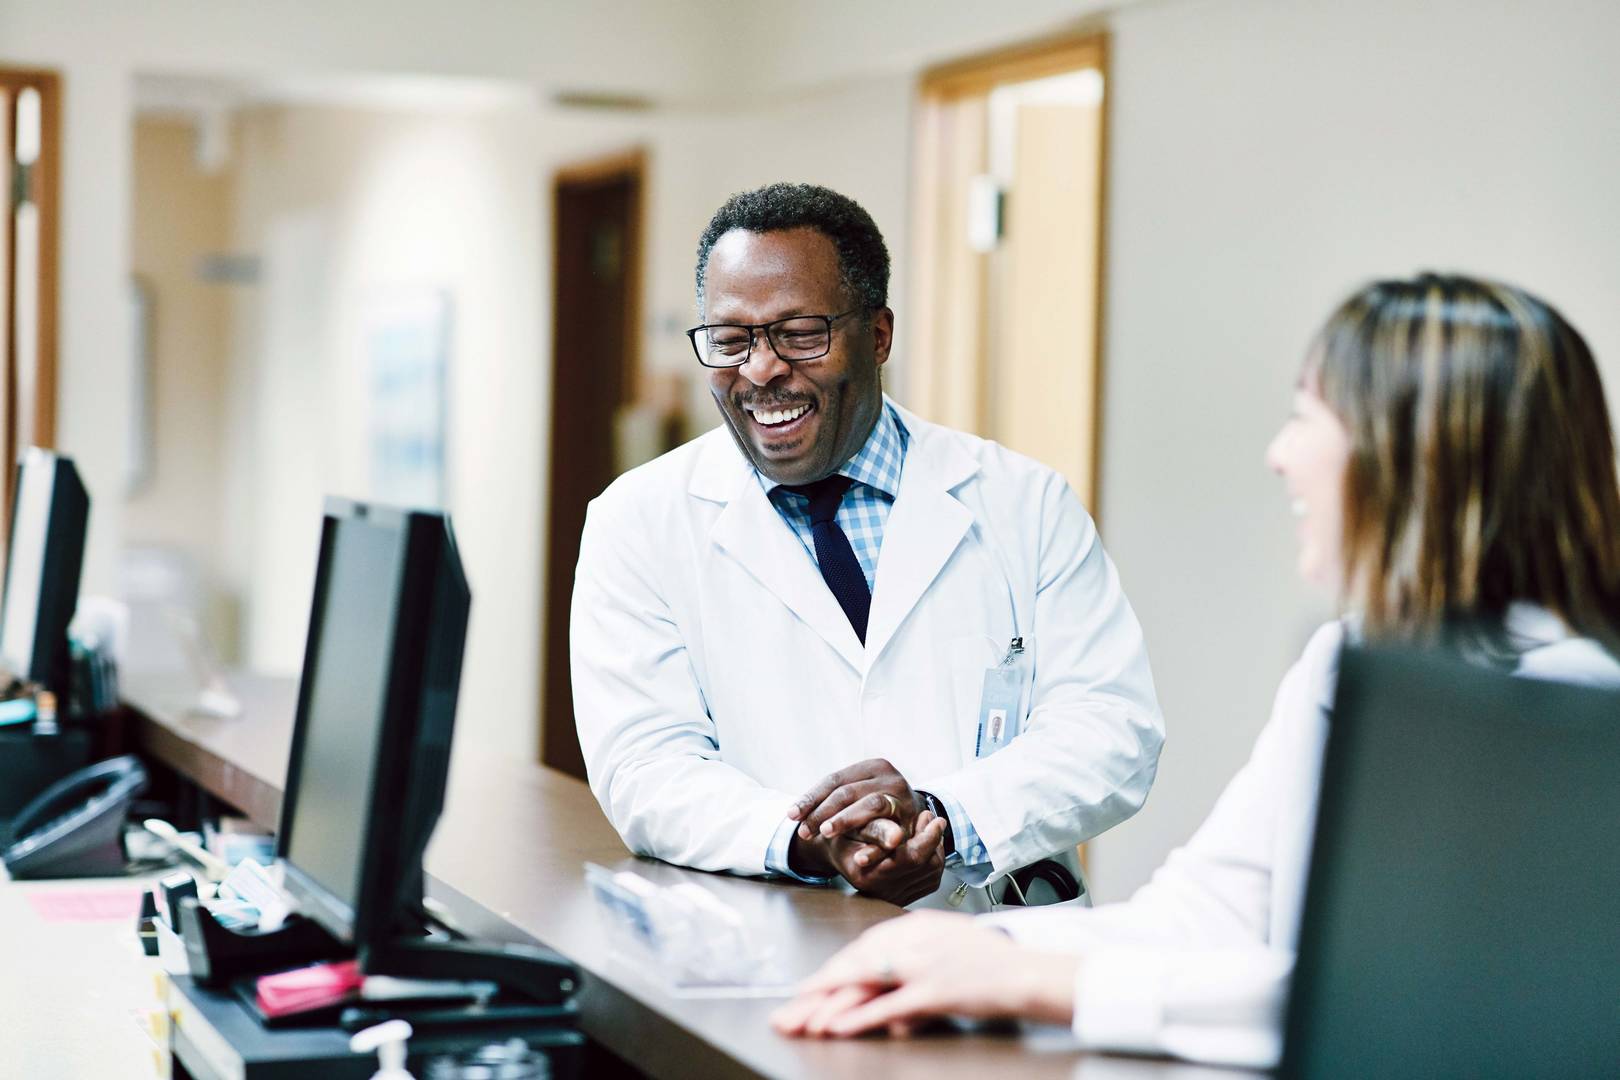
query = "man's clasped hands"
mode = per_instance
[{"x": 866, "y": 824}]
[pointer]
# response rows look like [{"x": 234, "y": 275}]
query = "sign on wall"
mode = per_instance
[{"x": 408, "y": 348}]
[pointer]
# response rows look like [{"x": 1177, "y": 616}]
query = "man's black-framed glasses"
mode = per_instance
[{"x": 795, "y": 338}]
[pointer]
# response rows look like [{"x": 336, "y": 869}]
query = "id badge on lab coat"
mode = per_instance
[{"x": 999, "y": 718}]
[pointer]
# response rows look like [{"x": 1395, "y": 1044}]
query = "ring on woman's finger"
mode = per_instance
[{"x": 886, "y": 975}]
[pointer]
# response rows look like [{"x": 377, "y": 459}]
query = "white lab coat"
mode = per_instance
[
  {"x": 1196, "y": 964},
  {"x": 716, "y": 678}
]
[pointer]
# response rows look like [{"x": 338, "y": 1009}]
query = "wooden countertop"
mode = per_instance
[
  {"x": 514, "y": 840},
  {"x": 242, "y": 760}
]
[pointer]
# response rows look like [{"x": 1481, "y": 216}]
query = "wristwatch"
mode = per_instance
[{"x": 938, "y": 811}]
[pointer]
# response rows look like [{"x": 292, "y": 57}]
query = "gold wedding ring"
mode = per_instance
[{"x": 894, "y": 806}]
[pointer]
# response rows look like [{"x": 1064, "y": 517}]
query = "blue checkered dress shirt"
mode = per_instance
[{"x": 862, "y": 515}]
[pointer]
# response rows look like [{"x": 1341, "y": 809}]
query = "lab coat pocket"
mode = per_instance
[{"x": 1026, "y": 681}]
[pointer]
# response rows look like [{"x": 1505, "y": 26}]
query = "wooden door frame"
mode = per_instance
[
  {"x": 944, "y": 84},
  {"x": 630, "y": 165},
  {"x": 45, "y": 187},
  {"x": 1026, "y": 61}
]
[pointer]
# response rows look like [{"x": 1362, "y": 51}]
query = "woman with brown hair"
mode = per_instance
[{"x": 1450, "y": 460}]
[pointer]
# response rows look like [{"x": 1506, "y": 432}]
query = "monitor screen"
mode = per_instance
[
  {"x": 347, "y": 700},
  {"x": 25, "y": 562}
]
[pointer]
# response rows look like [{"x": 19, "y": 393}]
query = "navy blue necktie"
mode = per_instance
[{"x": 839, "y": 567}]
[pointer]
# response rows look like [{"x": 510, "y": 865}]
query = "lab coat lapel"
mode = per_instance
[
  {"x": 752, "y": 533},
  {"x": 924, "y": 528}
]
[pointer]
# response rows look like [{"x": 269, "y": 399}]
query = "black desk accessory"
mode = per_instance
[
  {"x": 75, "y": 827},
  {"x": 30, "y": 763},
  {"x": 146, "y": 931},
  {"x": 217, "y": 955},
  {"x": 527, "y": 975},
  {"x": 354, "y": 1012},
  {"x": 176, "y": 888},
  {"x": 537, "y": 975}
]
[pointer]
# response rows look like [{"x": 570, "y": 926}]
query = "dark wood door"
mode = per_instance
[
  {"x": 593, "y": 345},
  {"x": 28, "y": 222}
]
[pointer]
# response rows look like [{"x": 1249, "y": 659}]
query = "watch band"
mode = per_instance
[{"x": 939, "y": 811}]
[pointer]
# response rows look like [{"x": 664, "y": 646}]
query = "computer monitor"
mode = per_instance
[
  {"x": 44, "y": 557},
  {"x": 376, "y": 708},
  {"x": 1462, "y": 916}
]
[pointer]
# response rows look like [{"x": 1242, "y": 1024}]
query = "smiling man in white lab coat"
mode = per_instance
[{"x": 830, "y": 640}]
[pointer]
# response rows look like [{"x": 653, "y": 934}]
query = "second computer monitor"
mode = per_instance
[
  {"x": 376, "y": 708},
  {"x": 49, "y": 514}
]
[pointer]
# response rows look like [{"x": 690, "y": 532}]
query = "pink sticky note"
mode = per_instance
[{"x": 86, "y": 905}]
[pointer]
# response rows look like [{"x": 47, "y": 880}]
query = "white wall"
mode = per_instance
[
  {"x": 627, "y": 45},
  {"x": 174, "y": 515},
  {"x": 347, "y": 208},
  {"x": 862, "y": 146},
  {"x": 1268, "y": 158},
  {"x": 93, "y": 369},
  {"x": 181, "y": 215}
]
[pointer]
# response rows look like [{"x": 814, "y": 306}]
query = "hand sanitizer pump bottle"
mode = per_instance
[{"x": 388, "y": 1040}]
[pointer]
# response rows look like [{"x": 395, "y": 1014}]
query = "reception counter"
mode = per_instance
[{"x": 508, "y": 859}]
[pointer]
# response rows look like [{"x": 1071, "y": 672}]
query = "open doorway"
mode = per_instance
[
  {"x": 1008, "y": 250},
  {"x": 595, "y": 374}
]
